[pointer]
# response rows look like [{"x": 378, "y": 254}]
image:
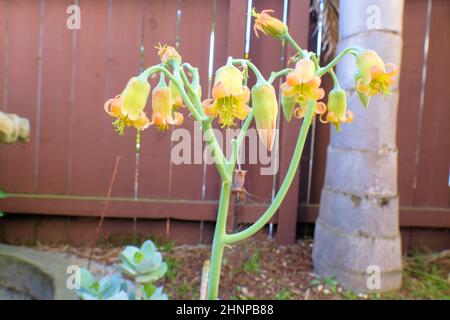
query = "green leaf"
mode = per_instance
[
  {"x": 3, "y": 195},
  {"x": 149, "y": 289},
  {"x": 1, "y": 214}
]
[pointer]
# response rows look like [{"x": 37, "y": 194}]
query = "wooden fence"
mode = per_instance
[{"x": 59, "y": 79}]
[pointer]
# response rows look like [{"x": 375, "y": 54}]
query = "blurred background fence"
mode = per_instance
[{"x": 59, "y": 79}]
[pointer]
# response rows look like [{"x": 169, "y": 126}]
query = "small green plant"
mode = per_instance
[
  {"x": 143, "y": 266},
  {"x": 284, "y": 294},
  {"x": 253, "y": 264}
]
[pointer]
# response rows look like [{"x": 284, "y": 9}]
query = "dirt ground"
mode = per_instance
[{"x": 260, "y": 268}]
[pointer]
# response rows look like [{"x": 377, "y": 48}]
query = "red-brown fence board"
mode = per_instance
[
  {"x": 432, "y": 188},
  {"x": 55, "y": 100},
  {"x": 414, "y": 23},
  {"x": 18, "y": 169},
  {"x": 87, "y": 174},
  {"x": 159, "y": 25},
  {"x": 123, "y": 59}
]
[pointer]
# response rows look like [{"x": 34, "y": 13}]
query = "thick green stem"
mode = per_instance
[
  {"x": 280, "y": 73},
  {"x": 233, "y": 238},
  {"x": 197, "y": 102},
  {"x": 294, "y": 44},
  {"x": 148, "y": 72},
  {"x": 216, "y": 152},
  {"x": 350, "y": 50},
  {"x": 243, "y": 62},
  {"x": 237, "y": 143},
  {"x": 218, "y": 242}
]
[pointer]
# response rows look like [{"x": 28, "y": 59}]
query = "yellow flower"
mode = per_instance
[
  {"x": 134, "y": 98},
  {"x": 372, "y": 76},
  {"x": 113, "y": 108},
  {"x": 265, "y": 110},
  {"x": 168, "y": 54},
  {"x": 337, "y": 108},
  {"x": 269, "y": 25},
  {"x": 128, "y": 107},
  {"x": 302, "y": 85},
  {"x": 229, "y": 97},
  {"x": 162, "y": 106}
]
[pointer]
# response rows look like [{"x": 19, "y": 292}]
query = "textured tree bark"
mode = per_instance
[
  {"x": 358, "y": 224},
  {"x": 13, "y": 128}
]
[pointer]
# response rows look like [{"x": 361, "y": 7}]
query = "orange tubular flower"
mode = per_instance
[
  {"x": 229, "y": 97},
  {"x": 372, "y": 76},
  {"x": 269, "y": 25},
  {"x": 129, "y": 105},
  {"x": 302, "y": 85},
  {"x": 337, "y": 108},
  {"x": 162, "y": 106}
]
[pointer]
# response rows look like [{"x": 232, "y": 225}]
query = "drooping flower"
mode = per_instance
[
  {"x": 337, "y": 108},
  {"x": 269, "y": 25},
  {"x": 177, "y": 101},
  {"x": 372, "y": 76},
  {"x": 229, "y": 97},
  {"x": 128, "y": 107},
  {"x": 265, "y": 110},
  {"x": 162, "y": 106},
  {"x": 302, "y": 84},
  {"x": 168, "y": 55}
]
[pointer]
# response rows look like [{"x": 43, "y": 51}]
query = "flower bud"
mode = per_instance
[
  {"x": 265, "y": 110},
  {"x": 168, "y": 55},
  {"x": 269, "y": 25}
]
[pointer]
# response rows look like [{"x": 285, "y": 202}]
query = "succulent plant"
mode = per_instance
[
  {"x": 108, "y": 288},
  {"x": 144, "y": 264}
]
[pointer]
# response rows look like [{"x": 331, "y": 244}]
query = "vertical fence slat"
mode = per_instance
[
  {"x": 267, "y": 60},
  {"x": 89, "y": 123},
  {"x": 414, "y": 25},
  {"x": 55, "y": 106},
  {"x": 18, "y": 160},
  {"x": 123, "y": 61},
  {"x": 3, "y": 48},
  {"x": 187, "y": 179},
  {"x": 298, "y": 21},
  {"x": 160, "y": 25},
  {"x": 434, "y": 158}
]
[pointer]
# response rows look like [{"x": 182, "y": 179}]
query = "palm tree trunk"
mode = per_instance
[{"x": 357, "y": 231}]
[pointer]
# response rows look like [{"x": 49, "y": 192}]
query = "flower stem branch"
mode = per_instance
[
  {"x": 244, "y": 62},
  {"x": 236, "y": 237},
  {"x": 155, "y": 69},
  {"x": 350, "y": 50},
  {"x": 281, "y": 73}
]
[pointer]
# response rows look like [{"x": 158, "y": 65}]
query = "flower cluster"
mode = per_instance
[{"x": 230, "y": 96}]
